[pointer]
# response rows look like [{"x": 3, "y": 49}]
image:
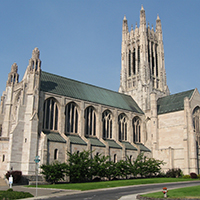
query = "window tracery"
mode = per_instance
[
  {"x": 122, "y": 125},
  {"x": 50, "y": 114},
  {"x": 107, "y": 124},
  {"x": 71, "y": 118},
  {"x": 136, "y": 130},
  {"x": 196, "y": 123},
  {"x": 90, "y": 121}
]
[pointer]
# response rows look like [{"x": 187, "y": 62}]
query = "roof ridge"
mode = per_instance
[
  {"x": 58, "y": 84},
  {"x": 174, "y": 102},
  {"x": 177, "y": 93},
  {"x": 87, "y": 84}
]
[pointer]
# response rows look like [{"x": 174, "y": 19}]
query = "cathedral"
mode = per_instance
[{"x": 47, "y": 115}]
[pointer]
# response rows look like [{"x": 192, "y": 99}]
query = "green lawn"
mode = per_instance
[
  {"x": 109, "y": 184},
  {"x": 188, "y": 192}
]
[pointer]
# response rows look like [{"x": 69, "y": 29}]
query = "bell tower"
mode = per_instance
[{"x": 142, "y": 62}]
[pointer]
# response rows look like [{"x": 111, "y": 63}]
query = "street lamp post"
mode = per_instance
[{"x": 37, "y": 160}]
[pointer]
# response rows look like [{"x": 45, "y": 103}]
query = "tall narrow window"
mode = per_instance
[
  {"x": 71, "y": 118},
  {"x": 3, "y": 158},
  {"x": 148, "y": 53},
  {"x": 129, "y": 63},
  {"x": 131, "y": 158},
  {"x": 136, "y": 130},
  {"x": 50, "y": 114},
  {"x": 138, "y": 58},
  {"x": 122, "y": 127},
  {"x": 152, "y": 59},
  {"x": 56, "y": 154},
  {"x": 0, "y": 129},
  {"x": 115, "y": 158},
  {"x": 107, "y": 124},
  {"x": 156, "y": 52},
  {"x": 90, "y": 121},
  {"x": 133, "y": 55}
]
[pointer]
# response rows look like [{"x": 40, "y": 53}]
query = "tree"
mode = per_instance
[
  {"x": 79, "y": 167},
  {"x": 144, "y": 166},
  {"x": 99, "y": 165}
]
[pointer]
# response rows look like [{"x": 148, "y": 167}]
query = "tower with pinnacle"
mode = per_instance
[{"x": 142, "y": 62}]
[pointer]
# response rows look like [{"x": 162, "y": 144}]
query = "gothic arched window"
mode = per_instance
[
  {"x": 50, "y": 114},
  {"x": 122, "y": 124},
  {"x": 196, "y": 123},
  {"x": 107, "y": 124},
  {"x": 196, "y": 118},
  {"x": 136, "y": 130},
  {"x": 90, "y": 121},
  {"x": 71, "y": 118}
]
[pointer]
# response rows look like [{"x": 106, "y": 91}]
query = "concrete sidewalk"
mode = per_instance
[
  {"x": 41, "y": 192},
  {"x": 47, "y": 192}
]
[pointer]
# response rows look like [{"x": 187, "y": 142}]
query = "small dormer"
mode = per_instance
[{"x": 13, "y": 76}]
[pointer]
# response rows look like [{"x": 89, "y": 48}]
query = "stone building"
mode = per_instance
[{"x": 47, "y": 115}]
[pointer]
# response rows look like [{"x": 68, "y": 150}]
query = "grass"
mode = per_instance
[
  {"x": 8, "y": 195},
  {"x": 187, "y": 192},
  {"x": 109, "y": 184}
]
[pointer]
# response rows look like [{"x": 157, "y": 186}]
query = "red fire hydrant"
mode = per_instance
[{"x": 165, "y": 191}]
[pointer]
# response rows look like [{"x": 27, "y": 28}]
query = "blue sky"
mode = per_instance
[{"x": 81, "y": 39}]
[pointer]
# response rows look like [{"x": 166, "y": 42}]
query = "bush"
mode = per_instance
[
  {"x": 161, "y": 174},
  {"x": 10, "y": 190},
  {"x": 54, "y": 172},
  {"x": 193, "y": 175},
  {"x": 186, "y": 176},
  {"x": 174, "y": 173},
  {"x": 15, "y": 174},
  {"x": 198, "y": 176},
  {"x": 14, "y": 195}
]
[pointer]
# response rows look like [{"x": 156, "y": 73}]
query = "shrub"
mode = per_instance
[
  {"x": 198, "y": 176},
  {"x": 54, "y": 172},
  {"x": 193, "y": 175},
  {"x": 161, "y": 174},
  {"x": 174, "y": 173},
  {"x": 186, "y": 176},
  {"x": 15, "y": 174},
  {"x": 14, "y": 195}
]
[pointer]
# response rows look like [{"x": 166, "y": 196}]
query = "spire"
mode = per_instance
[
  {"x": 142, "y": 17},
  {"x": 34, "y": 62},
  {"x": 13, "y": 76},
  {"x": 124, "y": 28},
  {"x": 158, "y": 25}
]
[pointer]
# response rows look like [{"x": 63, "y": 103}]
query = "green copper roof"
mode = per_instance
[
  {"x": 54, "y": 137},
  {"x": 67, "y": 87},
  {"x": 113, "y": 144},
  {"x": 75, "y": 139},
  {"x": 96, "y": 142},
  {"x": 143, "y": 148},
  {"x": 173, "y": 102},
  {"x": 129, "y": 146}
]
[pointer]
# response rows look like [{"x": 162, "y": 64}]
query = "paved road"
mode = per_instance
[
  {"x": 122, "y": 193},
  {"x": 117, "y": 193}
]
